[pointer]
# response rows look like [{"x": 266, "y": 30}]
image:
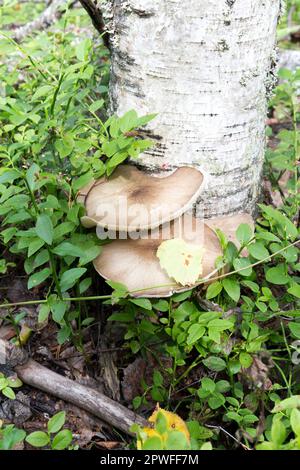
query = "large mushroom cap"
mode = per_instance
[
  {"x": 131, "y": 200},
  {"x": 135, "y": 264},
  {"x": 229, "y": 225}
]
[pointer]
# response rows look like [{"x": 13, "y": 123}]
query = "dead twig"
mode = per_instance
[
  {"x": 38, "y": 376},
  {"x": 229, "y": 435},
  {"x": 94, "y": 11}
]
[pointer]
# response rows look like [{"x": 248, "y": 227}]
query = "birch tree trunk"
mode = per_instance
[{"x": 206, "y": 67}]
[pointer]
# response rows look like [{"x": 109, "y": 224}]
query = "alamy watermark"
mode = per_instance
[{"x": 122, "y": 220}]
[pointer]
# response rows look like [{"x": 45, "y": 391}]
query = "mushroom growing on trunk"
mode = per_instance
[
  {"x": 135, "y": 263},
  {"x": 133, "y": 200}
]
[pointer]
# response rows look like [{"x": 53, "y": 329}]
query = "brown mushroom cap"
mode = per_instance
[
  {"x": 132, "y": 200},
  {"x": 229, "y": 225},
  {"x": 135, "y": 264}
]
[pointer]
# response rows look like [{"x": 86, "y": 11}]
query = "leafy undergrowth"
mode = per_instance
[{"x": 225, "y": 358}]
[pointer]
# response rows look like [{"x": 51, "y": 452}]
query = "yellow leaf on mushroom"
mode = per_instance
[
  {"x": 181, "y": 260},
  {"x": 172, "y": 423}
]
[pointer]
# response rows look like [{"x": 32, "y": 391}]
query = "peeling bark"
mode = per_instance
[{"x": 206, "y": 67}]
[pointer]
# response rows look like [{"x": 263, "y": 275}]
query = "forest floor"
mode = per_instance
[{"x": 226, "y": 359}]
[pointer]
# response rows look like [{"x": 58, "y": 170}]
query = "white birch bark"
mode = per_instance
[{"x": 206, "y": 67}]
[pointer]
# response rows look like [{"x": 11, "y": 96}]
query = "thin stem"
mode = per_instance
[
  {"x": 294, "y": 116},
  {"x": 54, "y": 273},
  {"x": 51, "y": 257},
  {"x": 106, "y": 297},
  {"x": 64, "y": 299}
]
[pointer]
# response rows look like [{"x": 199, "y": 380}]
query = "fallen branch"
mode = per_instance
[
  {"x": 38, "y": 376},
  {"x": 52, "y": 13},
  {"x": 289, "y": 59}
]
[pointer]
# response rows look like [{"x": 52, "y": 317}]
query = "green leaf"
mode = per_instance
[
  {"x": 64, "y": 146},
  {"x": 153, "y": 443},
  {"x": 56, "y": 422},
  {"x": 63, "y": 229},
  {"x": 295, "y": 329},
  {"x": 41, "y": 258},
  {"x": 243, "y": 265},
  {"x": 90, "y": 254},
  {"x": 8, "y": 176},
  {"x": 234, "y": 416},
  {"x": 244, "y": 234},
  {"x": 214, "y": 290},
  {"x": 44, "y": 228},
  {"x": 281, "y": 219},
  {"x": 118, "y": 286},
  {"x": 161, "y": 423},
  {"x": 68, "y": 249},
  {"x": 96, "y": 105},
  {"x": 216, "y": 401},
  {"x": 245, "y": 360},
  {"x": 128, "y": 121},
  {"x": 143, "y": 303},
  {"x": 31, "y": 175},
  {"x": 114, "y": 161},
  {"x": 215, "y": 363},
  {"x": 9, "y": 393},
  {"x": 58, "y": 309},
  {"x": 195, "y": 332},
  {"x": 268, "y": 236},
  {"x": 145, "y": 119},
  {"x": 232, "y": 287},
  {"x": 220, "y": 324},
  {"x": 223, "y": 386},
  {"x": 258, "y": 251},
  {"x": 251, "y": 285},
  {"x": 70, "y": 277},
  {"x": 295, "y": 290},
  {"x": 84, "y": 285},
  {"x": 64, "y": 333},
  {"x": 38, "y": 439},
  {"x": 182, "y": 261},
  {"x": 37, "y": 278},
  {"x": 43, "y": 313},
  {"x": 278, "y": 432},
  {"x": 10, "y": 437},
  {"x": 208, "y": 384},
  {"x": 161, "y": 305},
  {"x": 82, "y": 49},
  {"x": 287, "y": 404},
  {"x": 34, "y": 246},
  {"x": 42, "y": 91},
  {"x": 62, "y": 440},
  {"x": 177, "y": 440},
  {"x": 206, "y": 446},
  {"x": 277, "y": 275},
  {"x": 83, "y": 180},
  {"x": 295, "y": 421}
]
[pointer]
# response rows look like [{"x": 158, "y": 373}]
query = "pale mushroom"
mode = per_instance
[
  {"x": 132, "y": 200},
  {"x": 135, "y": 264}
]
